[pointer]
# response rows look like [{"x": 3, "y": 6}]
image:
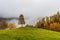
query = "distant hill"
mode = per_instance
[
  {"x": 2, "y": 18},
  {"x": 11, "y": 18}
]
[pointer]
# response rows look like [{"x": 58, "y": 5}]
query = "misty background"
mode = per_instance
[{"x": 31, "y": 9}]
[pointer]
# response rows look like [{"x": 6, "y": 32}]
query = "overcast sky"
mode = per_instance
[
  {"x": 32, "y": 9},
  {"x": 29, "y": 8}
]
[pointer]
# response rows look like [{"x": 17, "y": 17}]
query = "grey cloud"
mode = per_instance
[{"x": 31, "y": 8}]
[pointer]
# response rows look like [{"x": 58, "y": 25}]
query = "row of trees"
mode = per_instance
[
  {"x": 52, "y": 22},
  {"x": 4, "y": 24}
]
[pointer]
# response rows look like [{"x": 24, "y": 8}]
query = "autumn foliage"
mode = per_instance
[
  {"x": 38, "y": 24},
  {"x": 51, "y": 23},
  {"x": 3, "y": 24},
  {"x": 10, "y": 25}
]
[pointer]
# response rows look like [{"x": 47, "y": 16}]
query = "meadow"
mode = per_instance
[{"x": 28, "y": 33}]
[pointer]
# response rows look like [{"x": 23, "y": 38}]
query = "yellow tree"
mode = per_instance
[
  {"x": 38, "y": 24},
  {"x": 54, "y": 26}
]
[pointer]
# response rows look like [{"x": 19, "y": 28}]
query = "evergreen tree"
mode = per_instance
[{"x": 21, "y": 20}]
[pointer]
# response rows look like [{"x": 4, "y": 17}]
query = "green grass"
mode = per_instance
[{"x": 28, "y": 33}]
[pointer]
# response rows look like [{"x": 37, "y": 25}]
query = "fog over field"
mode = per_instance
[{"x": 31, "y": 9}]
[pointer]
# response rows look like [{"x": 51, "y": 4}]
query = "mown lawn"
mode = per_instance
[{"x": 28, "y": 33}]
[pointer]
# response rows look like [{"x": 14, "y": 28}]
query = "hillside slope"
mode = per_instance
[{"x": 28, "y": 33}]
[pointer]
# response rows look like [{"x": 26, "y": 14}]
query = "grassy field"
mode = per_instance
[{"x": 28, "y": 33}]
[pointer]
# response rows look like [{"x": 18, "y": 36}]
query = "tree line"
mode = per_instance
[
  {"x": 51, "y": 23},
  {"x": 4, "y": 24}
]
